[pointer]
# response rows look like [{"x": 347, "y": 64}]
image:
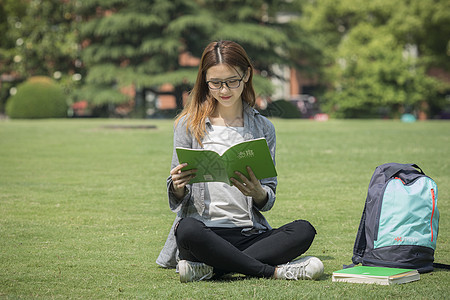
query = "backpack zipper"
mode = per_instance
[
  {"x": 400, "y": 180},
  {"x": 432, "y": 213}
]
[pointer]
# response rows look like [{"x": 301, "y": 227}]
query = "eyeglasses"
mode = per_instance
[{"x": 231, "y": 84}]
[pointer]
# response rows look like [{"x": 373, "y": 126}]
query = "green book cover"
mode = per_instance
[
  {"x": 220, "y": 168},
  {"x": 373, "y": 271}
]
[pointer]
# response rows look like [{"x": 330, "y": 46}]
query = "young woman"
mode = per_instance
[{"x": 219, "y": 228}]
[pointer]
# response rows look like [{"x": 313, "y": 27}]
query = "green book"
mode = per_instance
[
  {"x": 220, "y": 168},
  {"x": 377, "y": 275}
]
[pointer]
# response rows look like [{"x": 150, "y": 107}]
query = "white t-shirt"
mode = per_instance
[{"x": 225, "y": 204}]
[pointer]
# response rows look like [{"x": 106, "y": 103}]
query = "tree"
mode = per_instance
[
  {"x": 45, "y": 38},
  {"x": 374, "y": 75},
  {"x": 425, "y": 24},
  {"x": 377, "y": 54},
  {"x": 9, "y": 10},
  {"x": 39, "y": 38},
  {"x": 126, "y": 45},
  {"x": 139, "y": 42}
]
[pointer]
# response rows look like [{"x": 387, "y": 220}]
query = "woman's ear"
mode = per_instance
[{"x": 247, "y": 74}]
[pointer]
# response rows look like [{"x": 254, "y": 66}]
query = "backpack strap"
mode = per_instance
[
  {"x": 360, "y": 241},
  {"x": 394, "y": 169},
  {"x": 441, "y": 266}
]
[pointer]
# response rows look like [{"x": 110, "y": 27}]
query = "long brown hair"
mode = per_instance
[{"x": 201, "y": 104}]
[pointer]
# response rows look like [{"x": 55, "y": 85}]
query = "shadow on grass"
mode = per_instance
[
  {"x": 327, "y": 257},
  {"x": 130, "y": 127}
]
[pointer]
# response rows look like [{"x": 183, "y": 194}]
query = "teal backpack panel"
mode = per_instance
[{"x": 406, "y": 221}]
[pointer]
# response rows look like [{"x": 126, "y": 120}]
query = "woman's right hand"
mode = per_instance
[{"x": 181, "y": 178}]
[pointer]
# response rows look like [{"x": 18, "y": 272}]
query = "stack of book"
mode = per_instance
[{"x": 377, "y": 275}]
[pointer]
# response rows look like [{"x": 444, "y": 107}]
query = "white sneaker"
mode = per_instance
[
  {"x": 194, "y": 271},
  {"x": 308, "y": 267}
]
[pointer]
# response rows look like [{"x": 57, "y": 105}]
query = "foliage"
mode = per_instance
[
  {"x": 44, "y": 35},
  {"x": 8, "y": 8},
  {"x": 281, "y": 109},
  {"x": 377, "y": 54},
  {"x": 38, "y": 97},
  {"x": 85, "y": 213},
  {"x": 127, "y": 44},
  {"x": 138, "y": 43},
  {"x": 373, "y": 73},
  {"x": 40, "y": 38},
  {"x": 95, "y": 48}
]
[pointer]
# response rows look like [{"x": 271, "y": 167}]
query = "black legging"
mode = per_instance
[{"x": 228, "y": 250}]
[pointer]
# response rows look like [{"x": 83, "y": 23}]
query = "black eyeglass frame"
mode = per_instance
[{"x": 226, "y": 83}]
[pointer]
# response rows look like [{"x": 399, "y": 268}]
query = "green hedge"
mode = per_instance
[
  {"x": 282, "y": 109},
  {"x": 38, "y": 97}
]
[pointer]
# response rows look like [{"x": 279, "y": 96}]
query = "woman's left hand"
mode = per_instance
[{"x": 251, "y": 187}]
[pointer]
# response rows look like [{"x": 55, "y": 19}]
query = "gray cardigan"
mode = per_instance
[{"x": 193, "y": 205}]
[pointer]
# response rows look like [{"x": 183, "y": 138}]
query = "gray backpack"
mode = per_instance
[{"x": 400, "y": 220}]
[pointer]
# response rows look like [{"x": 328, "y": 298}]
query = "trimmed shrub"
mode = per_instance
[
  {"x": 38, "y": 97},
  {"x": 282, "y": 109}
]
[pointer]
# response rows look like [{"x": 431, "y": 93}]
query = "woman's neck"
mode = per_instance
[{"x": 228, "y": 116}]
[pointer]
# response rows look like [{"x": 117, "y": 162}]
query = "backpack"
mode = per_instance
[{"x": 400, "y": 220}]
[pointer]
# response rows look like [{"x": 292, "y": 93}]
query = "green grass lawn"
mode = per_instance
[{"x": 84, "y": 211}]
